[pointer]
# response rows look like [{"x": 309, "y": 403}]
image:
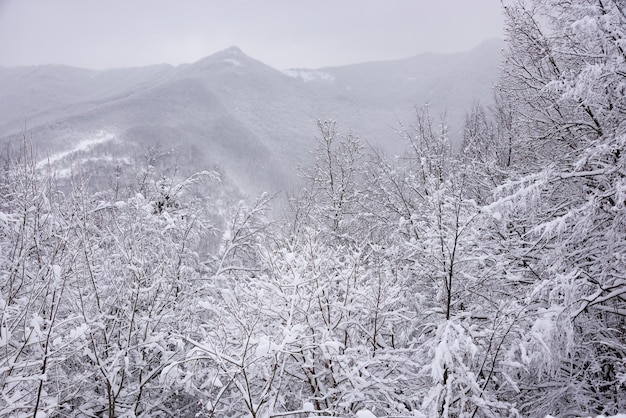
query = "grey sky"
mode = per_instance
[{"x": 281, "y": 33}]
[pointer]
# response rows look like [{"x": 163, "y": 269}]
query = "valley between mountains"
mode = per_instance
[{"x": 233, "y": 114}]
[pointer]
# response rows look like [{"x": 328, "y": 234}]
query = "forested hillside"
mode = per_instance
[
  {"x": 483, "y": 283},
  {"x": 229, "y": 112}
]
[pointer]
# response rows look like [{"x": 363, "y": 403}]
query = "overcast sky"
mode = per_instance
[{"x": 281, "y": 33}]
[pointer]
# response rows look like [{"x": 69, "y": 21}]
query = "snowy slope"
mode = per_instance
[{"x": 235, "y": 114}]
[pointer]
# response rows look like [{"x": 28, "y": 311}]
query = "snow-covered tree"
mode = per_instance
[
  {"x": 565, "y": 73},
  {"x": 331, "y": 196}
]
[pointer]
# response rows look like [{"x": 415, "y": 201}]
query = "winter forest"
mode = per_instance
[{"x": 483, "y": 282}]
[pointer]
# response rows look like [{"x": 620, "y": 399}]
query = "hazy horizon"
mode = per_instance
[{"x": 210, "y": 53}]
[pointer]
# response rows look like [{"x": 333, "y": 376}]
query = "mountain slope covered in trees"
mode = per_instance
[
  {"x": 482, "y": 283},
  {"x": 231, "y": 113}
]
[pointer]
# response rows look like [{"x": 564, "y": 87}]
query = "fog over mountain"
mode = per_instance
[{"x": 231, "y": 113}]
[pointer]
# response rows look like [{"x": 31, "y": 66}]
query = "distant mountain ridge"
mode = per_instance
[{"x": 232, "y": 113}]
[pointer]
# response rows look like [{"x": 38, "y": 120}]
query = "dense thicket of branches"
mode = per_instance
[{"x": 485, "y": 283}]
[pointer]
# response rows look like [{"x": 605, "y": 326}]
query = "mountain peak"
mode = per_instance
[
  {"x": 232, "y": 56},
  {"x": 234, "y": 50}
]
